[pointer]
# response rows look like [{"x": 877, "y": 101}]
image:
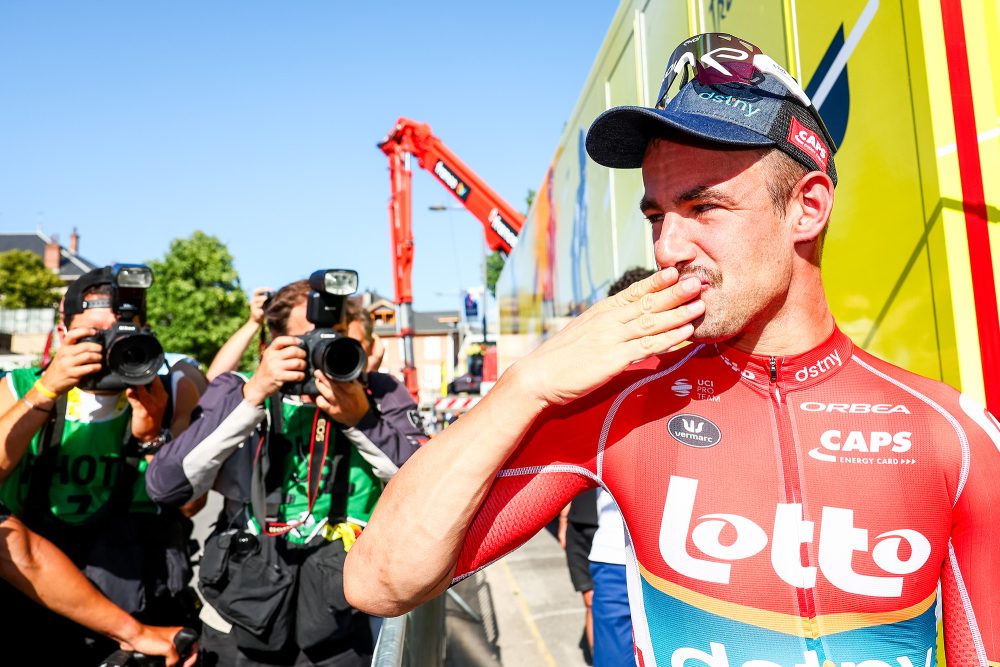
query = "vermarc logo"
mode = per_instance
[{"x": 694, "y": 431}]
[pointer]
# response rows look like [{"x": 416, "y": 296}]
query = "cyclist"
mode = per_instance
[{"x": 800, "y": 503}]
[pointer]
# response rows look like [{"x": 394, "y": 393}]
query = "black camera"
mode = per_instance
[
  {"x": 339, "y": 357},
  {"x": 130, "y": 353}
]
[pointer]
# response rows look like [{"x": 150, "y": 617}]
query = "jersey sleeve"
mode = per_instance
[
  {"x": 556, "y": 460},
  {"x": 187, "y": 466},
  {"x": 970, "y": 577}
]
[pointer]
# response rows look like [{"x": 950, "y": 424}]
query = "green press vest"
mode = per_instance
[{"x": 89, "y": 457}]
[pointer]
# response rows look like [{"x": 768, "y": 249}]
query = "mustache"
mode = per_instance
[{"x": 709, "y": 276}]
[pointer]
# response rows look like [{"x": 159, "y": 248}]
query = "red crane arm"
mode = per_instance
[{"x": 501, "y": 223}]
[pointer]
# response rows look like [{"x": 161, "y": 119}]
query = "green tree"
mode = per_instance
[
  {"x": 196, "y": 301},
  {"x": 25, "y": 282}
]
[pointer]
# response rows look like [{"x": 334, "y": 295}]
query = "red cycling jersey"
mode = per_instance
[{"x": 795, "y": 511}]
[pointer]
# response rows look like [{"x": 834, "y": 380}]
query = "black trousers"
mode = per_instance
[{"x": 219, "y": 649}]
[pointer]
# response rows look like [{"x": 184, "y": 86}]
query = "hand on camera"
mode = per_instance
[
  {"x": 148, "y": 403},
  {"x": 156, "y": 640},
  {"x": 73, "y": 361},
  {"x": 344, "y": 402},
  {"x": 283, "y": 361},
  {"x": 260, "y": 296}
]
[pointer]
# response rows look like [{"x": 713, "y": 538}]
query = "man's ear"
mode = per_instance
[
  {"x": 62, "y": 326},
  {"x": 810, "y": 206}
]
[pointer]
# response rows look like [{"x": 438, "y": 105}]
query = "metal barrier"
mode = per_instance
[{"x": 416, "y": 639}]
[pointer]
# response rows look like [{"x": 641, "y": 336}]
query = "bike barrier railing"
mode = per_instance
[{"x": 416, "y": 639}]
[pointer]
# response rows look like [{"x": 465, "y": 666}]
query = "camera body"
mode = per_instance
[
  {"x": 339, "y": 357},
  {"x": 130, "y": 353},
  {"x": 130, "y": 356}
]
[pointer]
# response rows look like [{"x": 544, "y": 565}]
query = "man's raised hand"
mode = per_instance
[
  {"x": 73, "y": 361},
  {"x": 283, "y": 361},
  {"x": 652, "y": 316}
]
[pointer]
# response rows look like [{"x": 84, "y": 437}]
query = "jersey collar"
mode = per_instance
[{"x": 792, "y": 372}]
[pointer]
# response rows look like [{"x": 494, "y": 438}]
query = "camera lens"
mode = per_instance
[
  {"x": 135, "y": 358},
  {"x": 243, "y": 544},
  {"x": 342, "y": 358}
]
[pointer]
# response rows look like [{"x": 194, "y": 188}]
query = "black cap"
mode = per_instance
[{"x": 73, "y": 302}]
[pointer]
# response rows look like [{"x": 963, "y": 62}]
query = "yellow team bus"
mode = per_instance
[{"x": 907, "y": 90}]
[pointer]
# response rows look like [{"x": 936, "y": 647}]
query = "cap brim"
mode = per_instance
[{"x": 618, "y": 137}]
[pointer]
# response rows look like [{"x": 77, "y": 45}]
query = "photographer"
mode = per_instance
[
  {"x": 76, "y": 440},
  {"x": 273, "y": 446}
]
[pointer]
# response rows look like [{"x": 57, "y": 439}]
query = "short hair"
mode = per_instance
[
  {"x": 785, "y": 173},
  {"x": 355, "y": 311},
  {"x": 279, "y": 306},
  {"x": 633, "y": 275}
]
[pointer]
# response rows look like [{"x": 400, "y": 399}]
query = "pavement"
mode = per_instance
[{"x": 531, "y": 616}]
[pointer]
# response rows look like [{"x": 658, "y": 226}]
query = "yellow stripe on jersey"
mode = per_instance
[{"x": 789, "y": 624}]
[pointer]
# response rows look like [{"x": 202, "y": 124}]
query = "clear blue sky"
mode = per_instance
[{"x": 139, "y": 122}]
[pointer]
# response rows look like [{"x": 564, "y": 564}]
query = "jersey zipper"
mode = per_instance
[{"x": 793, "y": 487}]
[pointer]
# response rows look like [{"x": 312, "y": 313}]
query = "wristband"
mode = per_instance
[
  {"x": 44, "y": 391},
  {"x": 152, "y": 446},
  {"x": 35, "y": 407}
]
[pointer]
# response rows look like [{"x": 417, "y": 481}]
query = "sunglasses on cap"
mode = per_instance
[{"x": 744, "y": 62}]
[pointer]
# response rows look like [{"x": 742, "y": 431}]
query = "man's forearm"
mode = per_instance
[
  {"x": 229, "y": 355},
  {"x": 42, "y": 572},
  {"x": 432, "y": 500},
  {"x": 187, "y": 467},
  {"x": 18, "y": 426}
]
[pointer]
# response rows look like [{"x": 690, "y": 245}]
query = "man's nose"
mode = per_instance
[{"x": 672, "y": 243}]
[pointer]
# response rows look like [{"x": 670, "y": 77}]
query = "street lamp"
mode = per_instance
[{"x": 445, "y": 207}]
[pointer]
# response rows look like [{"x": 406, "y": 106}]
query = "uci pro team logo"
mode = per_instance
[{"x": 694, "y": 431}]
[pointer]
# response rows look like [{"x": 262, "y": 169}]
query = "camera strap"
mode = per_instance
[{"x": 318, "y": 447}]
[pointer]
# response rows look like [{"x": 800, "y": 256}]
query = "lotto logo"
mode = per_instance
[{"x": 840, "y": 543}]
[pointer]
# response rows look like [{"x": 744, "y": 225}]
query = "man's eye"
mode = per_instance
[
  {"x": 704, "y": 208},
  {"x": 654, "y": 218}
]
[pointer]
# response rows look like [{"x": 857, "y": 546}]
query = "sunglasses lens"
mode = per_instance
[{"x": 723, "y": 58}]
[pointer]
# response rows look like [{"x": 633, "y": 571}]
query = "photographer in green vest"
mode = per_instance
[
  {"x": 77, "y": 439},
  {"x": 300, "y": 451}
]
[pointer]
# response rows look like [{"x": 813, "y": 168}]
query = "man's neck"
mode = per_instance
[{"x": 800, "y": 323}]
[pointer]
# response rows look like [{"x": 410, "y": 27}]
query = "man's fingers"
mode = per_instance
[
  {"x": 85, "y": 355},
  {"x": 654, "y": 283},
  {"x": 74, "y": 335},
  {"x": 290, "y": 376},
  {"x": 85, "y": 370},
  {"x": 647, "y": 346},
  {"x": 290, "y": 352},
  {"x": 284, "y": 342},
  {"x": 663, "y": 300},
  {"x": 156, "y": 389},
  {"x": 654, "y": 322},
  {"x": 294, "y": 364}
]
